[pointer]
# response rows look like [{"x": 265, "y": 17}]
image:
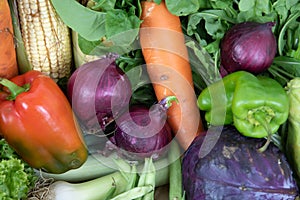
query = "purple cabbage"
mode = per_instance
[
  {"x": 249, "y": 46},
  {"x": 234, "y": 169},
  {"x": 99, "y": 91}
]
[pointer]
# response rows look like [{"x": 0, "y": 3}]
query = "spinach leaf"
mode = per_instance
[
  {"x": 88, "y": 23},
  {"x": 255, "y": 10},
  {"x": 103, "y": 6},
  {"x": 99, "y": 31},
  {"x": 121, "y": 43},
  {"x": 118, "y": 21},
  {"x": 182, "y": 8}
]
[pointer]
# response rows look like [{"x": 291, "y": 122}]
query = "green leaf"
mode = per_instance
[
  {"x": 207, "y": 25},
  {"x": 285, "y": 68},
  {"x": 202, "y": 63},
  {"x": 215, "y": 22},
  {"x": 287, "y": 62},
  {"x": 121, "y": 43},
  {"x": 245, "y": 5},
  {"x": 104, "y": 5},
  {"x": 282, "y": 10},
  {"x": 87, "y": 47},
  {"x": 13, "y": 179},
  {"x": 88, "y": 23},
  {"x": 157, "y": 1},
  {"x": 121, "y": 31},
  {"x": 291, "y": 3},
  {"x": 281, "y": 40},
  {"x": 6, "y": 152},
  {"x": 255, "y": 10},
  {"x": 182, "y": 8},
  {"x": 118, "y": 21}
]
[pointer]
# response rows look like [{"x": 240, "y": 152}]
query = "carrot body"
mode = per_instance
[
  {"x": 8, "y": 60},
  {"x": 166, "y": 57}
]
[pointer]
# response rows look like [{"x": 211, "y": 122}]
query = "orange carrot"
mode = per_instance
[
  {"x": 166, "y": 57},
  {"x": 8, "y": 60}
]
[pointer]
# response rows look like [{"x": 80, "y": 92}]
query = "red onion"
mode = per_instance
[
  {"x": 143, "y": 132},
  {"x": 248, "y": 46},
  {"x": 97, "y": 88}
]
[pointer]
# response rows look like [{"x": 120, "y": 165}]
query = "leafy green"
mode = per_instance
[
  {"x": 182, "y": 8},
  {"x": 113, "y": 26},
  {"x": 102, "y": 28},
  {"x": 16, "y": 177},
  {"x": 289, "y": 27},
  {"x": 254, "y": 10},
  {"x": 209, "y": 24},
  {"x": 132, "y": 64},
  {"x": 121, "y": 22},
  {"x": 88, "y": 23},
  {"x": 101, "y": 5}
]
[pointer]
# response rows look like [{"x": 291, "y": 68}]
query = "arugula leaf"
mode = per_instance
[
  {"x": 290, "y": 64},
  {"x": 282, "y": 42},
  {"x": 216, "y": 23},
  {"x": 202, "y": 63}
]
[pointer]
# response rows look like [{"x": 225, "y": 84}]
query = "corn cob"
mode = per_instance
[{"x": 46, "y": 38}]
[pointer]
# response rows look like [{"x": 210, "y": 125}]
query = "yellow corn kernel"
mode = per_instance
[{"x": 46, "y": 38}]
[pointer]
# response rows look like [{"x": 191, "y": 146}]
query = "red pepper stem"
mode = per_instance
[{"x": 14, "y": 89}]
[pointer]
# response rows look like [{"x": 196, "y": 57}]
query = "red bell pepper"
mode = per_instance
[{"x": 37, "y": 120}]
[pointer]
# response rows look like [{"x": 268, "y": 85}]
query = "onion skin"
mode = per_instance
[
  {"x": 248, "y": 46},
  {"x": 143, "y": 132},
  {"x": 96, "y": 89}
]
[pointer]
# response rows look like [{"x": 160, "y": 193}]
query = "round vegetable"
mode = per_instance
[
  {"x": 248, "y": 46},
  {"x": 143, "y": 132},
  {"x": 99, "y": 91},
  {"x": 234, "y": 169}
]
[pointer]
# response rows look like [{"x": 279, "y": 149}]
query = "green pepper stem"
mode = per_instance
[
  {"x": 14, "y": 89},
  {"x": 266, "y": 126}
]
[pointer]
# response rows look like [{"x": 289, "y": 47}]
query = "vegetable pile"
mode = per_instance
[{"x": 198, "y": 98}]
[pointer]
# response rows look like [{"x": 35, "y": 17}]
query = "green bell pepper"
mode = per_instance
[
  {"x": 216, "y": 100},
  {"x": 255, "y": 105}
]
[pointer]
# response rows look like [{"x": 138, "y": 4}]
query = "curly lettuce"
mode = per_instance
[{"x": 16, "y": 176}]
